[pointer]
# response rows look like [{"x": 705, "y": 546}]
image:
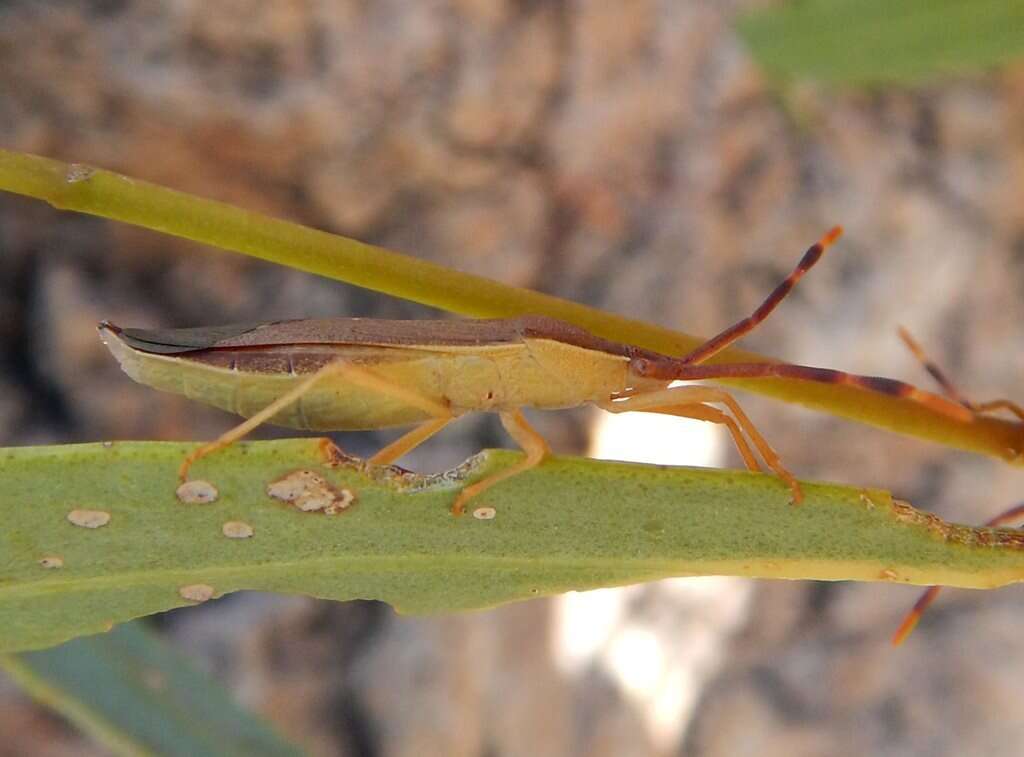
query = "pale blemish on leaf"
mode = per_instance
[
  {"x": 197, "y": 492},
  {"x": 344, "y": 500},
  {"x": 89, "y": 518},
  {"x": 237, "y": 529},
  {"x": 52, "y": 561},
  {"x": 485, "y": 513},
  {"x": 196, "y": 592},
  {"x": 310, "y": 492}
]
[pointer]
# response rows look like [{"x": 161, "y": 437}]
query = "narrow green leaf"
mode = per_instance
[
  {"x": 110, "y": 195},
  {"x": 879, "y": 41},
  {"x": 136, "y": 695},
  {"x": 569, "y": 524}
]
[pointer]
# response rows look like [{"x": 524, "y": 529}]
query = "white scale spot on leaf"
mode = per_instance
[
  {"x": 52, "y": 561},
  {"x": 308, "y": 492},
  {"x": 197, "y": 492},
  {"x": 196, "y": 592},
  {"x": 236, "y": 529},
  {"x": 89, "y": 518},
  {"x": 485, "y": 513}
]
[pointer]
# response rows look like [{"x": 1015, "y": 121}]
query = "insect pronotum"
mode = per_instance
[
  {"x": 1014, "y": 514},
  {"x": 356, "y": 374}
]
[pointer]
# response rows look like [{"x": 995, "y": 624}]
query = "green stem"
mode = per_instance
[{"x": 110, "y": 195}]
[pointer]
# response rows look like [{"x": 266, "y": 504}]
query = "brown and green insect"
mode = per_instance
[{"x": 357, "y": 374}]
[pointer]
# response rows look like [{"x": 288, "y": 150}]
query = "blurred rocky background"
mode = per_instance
[{"x": 631, "y": 155}]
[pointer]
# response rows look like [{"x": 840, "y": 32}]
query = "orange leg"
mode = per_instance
[
  {"x": 688, "y": 401},
  {"x": 356, "y": 375},
  {"x": 702, "y": 412},
  {"x": 909, "y": 623},
  {"x": 674, "y": 369},
  {"x": 689, "y": 367},
  {"x": 533, "y": 445},
  {"x": 991, "y": 405},
  {"x": 408, "y": 442},
  {"x": 1013, "y": 514}
]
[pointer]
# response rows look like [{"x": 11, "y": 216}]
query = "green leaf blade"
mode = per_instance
[
  {"x": 571, "y": 524},
  {"x": 873, "y": 42}
]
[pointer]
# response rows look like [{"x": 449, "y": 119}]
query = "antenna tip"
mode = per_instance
[{"x": 834, "y": 233}]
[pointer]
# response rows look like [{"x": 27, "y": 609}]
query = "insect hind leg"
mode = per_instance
[{"x": 352, "y": 373}]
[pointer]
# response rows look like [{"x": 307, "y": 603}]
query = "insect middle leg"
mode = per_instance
[
  {"x": 688, "y": 401},
  {"x": 533, "y": 445},
  {"x": 408, "y": 442}
]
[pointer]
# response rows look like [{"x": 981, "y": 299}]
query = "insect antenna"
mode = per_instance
[
  {"x": 717, "y": 343},
  {"x": 688, "y": 368}
]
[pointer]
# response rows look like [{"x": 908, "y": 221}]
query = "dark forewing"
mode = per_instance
[
  {"x": 368, "y": 332},
  {"x": 175, "y": 341}
]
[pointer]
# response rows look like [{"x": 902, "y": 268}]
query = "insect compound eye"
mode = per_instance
[{"x": 640, "y": 366}]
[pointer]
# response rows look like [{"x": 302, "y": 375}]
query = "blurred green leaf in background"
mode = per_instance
[
  {"x": 135, "y": 694},
  {"x": 865, "y": 42}
]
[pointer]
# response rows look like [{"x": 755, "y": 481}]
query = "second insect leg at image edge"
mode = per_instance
[{"x": 1012, "y": 515}]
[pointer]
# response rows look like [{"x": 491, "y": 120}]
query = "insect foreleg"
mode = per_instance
[
  {"x": 672, "y": 369},
  {"x": 707, "y": 413},
  {"x": 688, "y": 401}
]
